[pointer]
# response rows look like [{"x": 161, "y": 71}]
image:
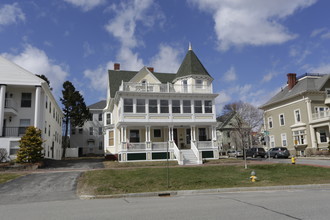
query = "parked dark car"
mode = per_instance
[
  {"x": 256, "y": 152},
  {"x": 278, "y": 152}
]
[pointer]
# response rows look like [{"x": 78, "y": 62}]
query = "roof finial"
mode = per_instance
[{"x": 190, "y": 48}]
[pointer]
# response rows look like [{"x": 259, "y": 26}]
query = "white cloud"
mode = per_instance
[
  {"x": 167, "y": 59},
  {"x": 86, "y": 5},
  {"x": 230, "y": 75},
  {"x": 37, "y": 62},
  {"x": 324, "y": 33},
  {"x": 222, "y": 99},
  {"x": 88, "y": 50},
  {"x": 11, "y": 14},
  {"x": 254, "y": 22},
  {"x": 99, "y": 77},
  {"x": 269, "y": 76},
  {"x": 323, "y": 69}
]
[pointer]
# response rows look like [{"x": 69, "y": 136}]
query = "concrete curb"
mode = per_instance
[{"x": 206, "y": 191}]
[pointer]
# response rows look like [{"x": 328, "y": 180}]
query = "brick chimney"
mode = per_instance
[
  {"x": 292, "y": 80},
  {"x": 151, "y": 69},
  {"x": 116, "y": 66}
]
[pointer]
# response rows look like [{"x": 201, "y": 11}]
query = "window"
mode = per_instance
[
  {"x": 201, "y": 134},
  {"x": 299, "y": 137},
  {"x": 199, "y": 83},
  {"x": 176, "y": 106},
  {"x": 198, "y": 106},
  {"x": 111, "y": 139},
  {"x": 186, "y": 106},
  {"x": 48, "y": 130},
  {"x": 128, "y": 105},
  {"x": 283, "y": 138},
  {"x": 208, "y": 106},
  {"x": 100, "y": 145},
  {"x": 140, "y": 106},
  {"x": 45, "y": 127},
  {"x": 23, "y": 124},
  {"x": 228, "y": 134},
  {"x": 46, "y": 102},
  {"x": 321, "y": 111},
  {"x": 100, "y": 116},
  {"x": 164, "y": 106},
  {"x": 73, "y": 131},
  {"x": 134, "y": 136},
  {"x": 327, "y": 92},
  {"x": 270, "y": 122},
  {"x": 100, "y": 131},
  {"x": 26, "y": 100},
  {"x": 50, "y": 107},
  {"x": 90, "y": 130},
  {"x": 297, "y": 116},
  {"x": 185, "y": 85},
  {"x": 188, "y": 135},
  {"x": 323, "y": 136},
  {"x": 157, "y": 133},
  {"x": 80, "y": 130},
  {"x": 282, "y": 122},
  {"x": 272, "y": 141},
  {"x": 153, "y": 106},
  {"x": 108, "y": 118}
]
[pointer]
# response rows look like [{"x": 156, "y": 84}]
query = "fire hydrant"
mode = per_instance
[
  {"x": 293, "y": 159},
  {"x": 253, "y": 176}
]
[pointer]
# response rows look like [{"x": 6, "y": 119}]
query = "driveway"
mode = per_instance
[{"x": 56, "y": 182}]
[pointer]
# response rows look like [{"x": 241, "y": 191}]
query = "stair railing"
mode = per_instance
[{"x": 197, "y": 153}]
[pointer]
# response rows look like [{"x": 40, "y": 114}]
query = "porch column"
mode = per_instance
[
  {"x": 214, "y": 133},
  {"x": 170, "y": 133},
  {"x": 193, "y": 133},
  {"x": 313, "y": 138},
  {"x": 37, "y": 107},
  {"x": 309, "y": 109},
  {"x": 2, "y": 106},
  {"x": 148, "y": 145}
]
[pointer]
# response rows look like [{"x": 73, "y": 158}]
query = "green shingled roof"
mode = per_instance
[
  {"x": 98, "y": 105},
  {"x": 191, "y": 65}
]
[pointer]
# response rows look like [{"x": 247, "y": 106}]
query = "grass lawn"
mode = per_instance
[
  {"x": 4, "y": 177},
  {"x": 116, "y": 164},
  {"x": 133, "y": 180}
]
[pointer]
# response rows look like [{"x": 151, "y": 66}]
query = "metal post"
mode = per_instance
[{"x": 168, "y": 169}]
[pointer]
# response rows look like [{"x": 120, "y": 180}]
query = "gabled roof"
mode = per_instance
[
  {"x": 117, "y": 76},
  {"x": 191, "y": 65},
  {"x": 99, "y": 105},
  {"x": 306, "y": 84},
  {"x": 225, "y": 119},
  {"x": 12, "y": 74}
]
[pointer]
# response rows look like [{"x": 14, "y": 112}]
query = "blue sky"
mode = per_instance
[{"x": 248, "y": 46}]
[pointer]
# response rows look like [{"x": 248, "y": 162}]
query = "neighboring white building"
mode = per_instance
[
  {"x": 89, "y": 139},
  {"x": 26, "y": 100},
  {"x": 149, "y": 114}
]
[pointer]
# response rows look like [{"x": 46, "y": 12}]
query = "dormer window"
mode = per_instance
[
  {"x": 199, "y": 83},
  {"x": 327, "y": 92}
]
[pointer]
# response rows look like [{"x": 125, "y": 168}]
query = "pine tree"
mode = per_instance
[
  {"x": 30, "y": 146},
  {"x": 74, "y": 109}
]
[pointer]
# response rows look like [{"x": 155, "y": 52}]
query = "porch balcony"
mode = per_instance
[
  {"x": 164, "y": 88},
  {"x": 10, "y": 107},
  {"x": 321, "y": 115},
  {"x": 13, "y": 131}
]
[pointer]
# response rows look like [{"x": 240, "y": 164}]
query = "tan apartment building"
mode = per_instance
[{"x": 298, "y": 117}]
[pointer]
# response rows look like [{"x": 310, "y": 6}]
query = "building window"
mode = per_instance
[
  {"x": 282, "y": 121},
  {"x": 153, "y": 106},
  {"x": 128, "y": 105},
  {"x": 199, "y": 83},
  {"x": 73, "y": 131},
  {"x": 50, "y": 107},
  {"x": 208, "y": 106},
  {"x": 80, "y": 130},
  {"x": 100, "y": 131},
  {"x": 26, "y": 100},
  {"x": 134, "y": 136},
  {"x": 46, "y": 102},
  {"x": 140, "y": 106},
  {"x": 270, "y": 122},
  {"x": 323, "y": 136},
  {"x": 108, "y": 118},
  {"x": 228, "y": 134},
  {"x": 198, "y": 106},
  {"x": 299, "y": 137},
  {"x": 272, "y": 141},
  {"x": 185, "y": 86},
  {"x": 48, "y": 130},
  {"x": 186, "y": 106},
  {"x": 164, "y": 106},
  {"x": 202, "y": 134},
  {"x": 111, "y": 138},
  {"x": 23, "y": 124},
  {"x": 45, "y": 127},
  {"x": 100, "y": 145},
  {"x": 176, "y": 106},
  {"x": 297, "y": 116},
  {"x": 157, "y": 133},
  {"x": 90, "y": 130},
  {"x": 100, "y": 116},
  {"x": 283, "y": 138}
]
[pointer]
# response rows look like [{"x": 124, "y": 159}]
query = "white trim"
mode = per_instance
[
  {"x": 287, "y": 104},
  {"x": 270, "y": 117},
  {"x": 282, "y": 139},
  {"x": 295, "y": 117}
]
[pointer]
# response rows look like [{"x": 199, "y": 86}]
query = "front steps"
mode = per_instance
[{"x": 189, "y": 157}]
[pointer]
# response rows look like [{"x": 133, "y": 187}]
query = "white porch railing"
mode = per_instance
[
  {"x": 159, "y": 146},
  {"x": 204, "y": 144},
  {"x": 178, "y": 154},
  {"x": 10, "y": 103},
  {"x": 164, "y": 88},
  {"x": 321, "y": 114},
  {"x": 136, "y": 146},
  {"x": 197, "y": 153}
]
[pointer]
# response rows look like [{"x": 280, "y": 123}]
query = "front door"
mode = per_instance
[{"x": 188, "y": 137}]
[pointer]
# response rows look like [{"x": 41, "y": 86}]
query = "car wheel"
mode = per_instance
[
  {"x": 276, "y": 156},
  {"x": 253, "y": 156}
]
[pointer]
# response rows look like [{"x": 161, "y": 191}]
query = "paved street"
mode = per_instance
[{"x": 293, "y": 204}]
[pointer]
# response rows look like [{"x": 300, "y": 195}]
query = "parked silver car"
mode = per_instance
[{"x": 278, "y": 152}]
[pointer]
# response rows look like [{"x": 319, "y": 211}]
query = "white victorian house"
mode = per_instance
[
  {"x": 26, "y": 100},
  {"x": 159, "y": 116}
]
